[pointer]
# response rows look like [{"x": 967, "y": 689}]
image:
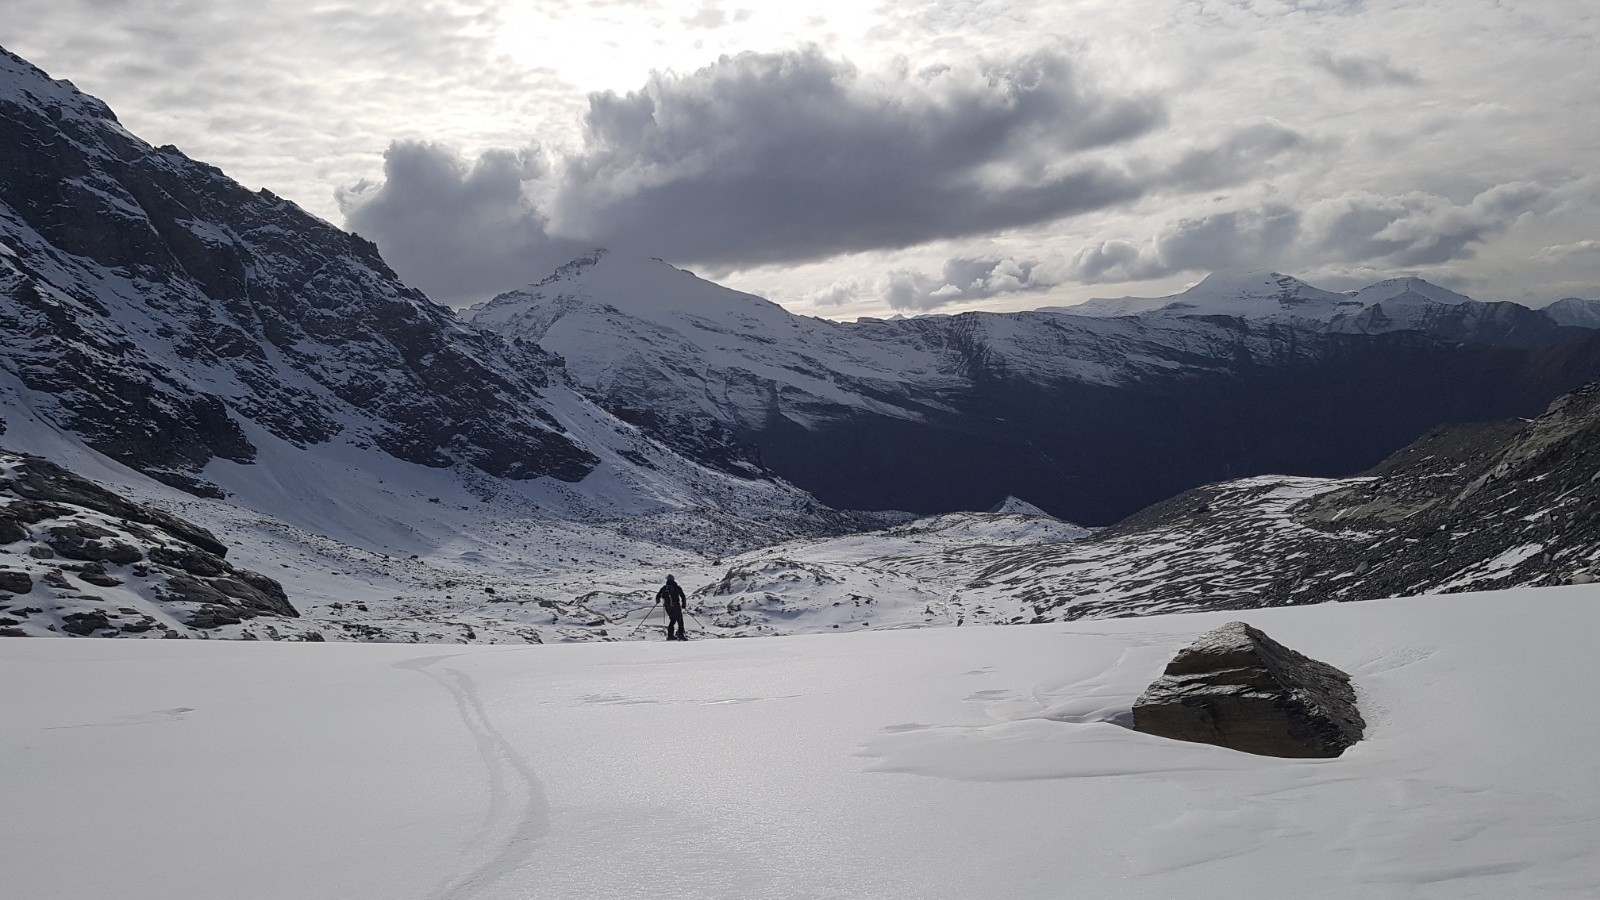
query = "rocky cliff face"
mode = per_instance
[
  {"x": 77, "y": 559},
  {"x": 162, "y": 311}
]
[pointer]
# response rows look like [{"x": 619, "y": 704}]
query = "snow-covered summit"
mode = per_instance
[
  {"x": 1012, "y": 506},
  {"x": 25, "y": 85},
  {"x": 1255, "y": 294},
  {"x": 1407, "y": 288},
  {"x": 1575, "y": 312},
  {"x": 939, "y": 413},
  {"x": 648, "y": 336},
  {"x": 640, "y": 286}
]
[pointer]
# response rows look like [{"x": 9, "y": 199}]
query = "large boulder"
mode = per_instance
[
  {"x": 81, "y": 540},
  {"x": 15, "y": 582},
  {"x": 1237, "y": 688}
]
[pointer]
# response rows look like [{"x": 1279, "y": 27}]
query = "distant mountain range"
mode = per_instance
[{"x": 1091, "y": 412}]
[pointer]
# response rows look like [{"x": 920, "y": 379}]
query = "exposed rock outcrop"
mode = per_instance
[
  {"x": 1237, "y": 688},
  {"x": 160, "y": 575}
]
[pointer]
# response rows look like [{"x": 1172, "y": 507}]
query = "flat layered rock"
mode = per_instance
[{"x": 1237, "y": 688}]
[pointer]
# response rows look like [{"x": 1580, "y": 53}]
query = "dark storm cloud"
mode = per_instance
[
  {"x": 794, "y": 156},
  {"x": 454, "y": 230},
  {"x": 1364, "y": 71},
  {"x": 789, "y": 157},
  {"x": 1240, "y": 156}
]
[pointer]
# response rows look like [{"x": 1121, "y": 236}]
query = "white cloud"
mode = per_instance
[{"x": 1568, "y": 251}]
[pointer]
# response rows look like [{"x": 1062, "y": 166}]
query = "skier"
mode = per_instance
[{"x": 672, "y": 600}]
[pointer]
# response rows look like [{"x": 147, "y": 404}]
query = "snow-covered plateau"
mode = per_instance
[{"x": 959, "y": 763}]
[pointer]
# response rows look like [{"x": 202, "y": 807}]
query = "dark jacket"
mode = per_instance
[{"x": 671, "y": 596}]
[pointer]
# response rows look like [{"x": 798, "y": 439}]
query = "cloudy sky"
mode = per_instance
[{"x": 858, "y": 158}]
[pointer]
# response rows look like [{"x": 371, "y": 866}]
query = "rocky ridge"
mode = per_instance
[{"x": 1465, "y": 508}]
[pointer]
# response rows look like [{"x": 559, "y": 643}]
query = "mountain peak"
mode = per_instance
[
  {"x": 576, "y": 266},
  {"x": 24, "y": 83},
  {"x": 1255, "y": 294},
  {"x": 640, "y": 286},
  {"x": 1013, "y": 506},
  {"x": 1576, "y": 312},
  {"x": 1395, "y": 288}
]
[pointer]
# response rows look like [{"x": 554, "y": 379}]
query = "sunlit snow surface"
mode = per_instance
[{"x": 957, "y": 762}]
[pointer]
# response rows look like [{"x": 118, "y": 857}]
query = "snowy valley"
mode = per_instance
[
  {"x": 528, "y": 472},
  {"x": 229, "y": 425}
]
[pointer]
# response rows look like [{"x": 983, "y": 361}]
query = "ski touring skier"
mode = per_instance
[{"x": 673, "y": 601}]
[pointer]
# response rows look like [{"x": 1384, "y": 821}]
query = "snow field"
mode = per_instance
[{"x": 942, "y": 763}]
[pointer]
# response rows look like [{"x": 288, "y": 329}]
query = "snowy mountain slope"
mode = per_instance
[
  {"x": 1394, "y": 288},
  {"x": 1575, "y": 313},
  {"x": 699, "y": 363},
  {"x": 371, "y": 547},
  {"x": 1504, "y": 324},
  {"x": 228, "y": 343},
  {"x": 152, "y": 306},
  {"x": 945, "y": 763},
  {"x": 1090, "y": 417}
]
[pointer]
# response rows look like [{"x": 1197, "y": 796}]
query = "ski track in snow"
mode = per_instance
[{"x": 518, "y": 833}]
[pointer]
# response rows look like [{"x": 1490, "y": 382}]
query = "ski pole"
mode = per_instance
[
  {"x": 645, "y": 619},
  {"x": 622, "y": 619},
  {"x": 700, "y": 623}
]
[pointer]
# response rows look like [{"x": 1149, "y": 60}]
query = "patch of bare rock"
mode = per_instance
[{"x": 161, "y": 576}]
